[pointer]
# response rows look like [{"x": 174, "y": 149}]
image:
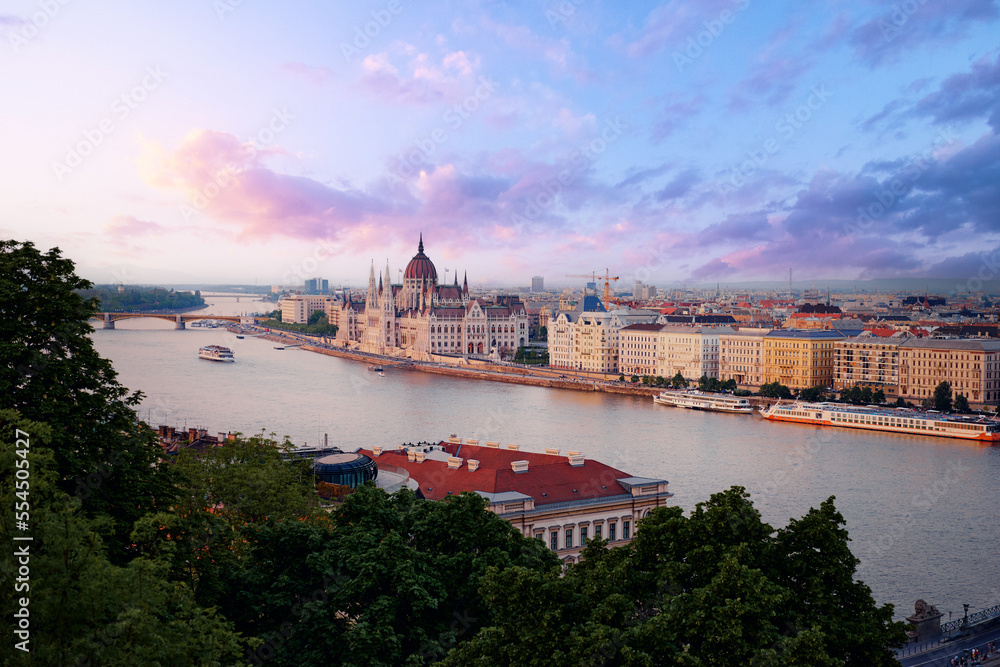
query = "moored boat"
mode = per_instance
[
  {"x": 701, "y": 400},
  {"x": 894, "y": 420},
  {"x": 216, "y": 353}
]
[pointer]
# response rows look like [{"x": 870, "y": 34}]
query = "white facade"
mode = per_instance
[
  {"x": 298, "y": 307},
  {"x": 741, "y": 356}
]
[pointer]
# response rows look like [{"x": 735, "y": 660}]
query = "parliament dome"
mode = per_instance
[{"x": 421, "y": 267}]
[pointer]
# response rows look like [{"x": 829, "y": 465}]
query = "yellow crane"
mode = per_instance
[{"x": 594, "y": 277}]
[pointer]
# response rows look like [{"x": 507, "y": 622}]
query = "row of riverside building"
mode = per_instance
[{"x": 634, "y": 342}]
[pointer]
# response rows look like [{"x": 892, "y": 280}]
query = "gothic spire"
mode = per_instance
[{"x": 420, "y": 246}]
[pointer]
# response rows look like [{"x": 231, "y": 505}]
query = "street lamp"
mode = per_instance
[{"x": 965, "y": 621}]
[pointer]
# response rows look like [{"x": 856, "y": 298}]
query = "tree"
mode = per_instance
[
  {"x": 866, "y": 395},
  {"x": 634, "y": 379},
  {"x": 543, "y": 332},
  {"x": 678, "y": 381},
  {"x": 813, "y": 394},
  {"x": 314, "y": 318},
  {"x": 400, "y": 579},
  {"x": 900, "y": 403},
  {"x": 775, "y": 390},
  {"x": 962, "y": 404},
  {"x": 50, "y": 370},
  {"x": 84, "y": 608},
  {"x": 717, "y": 587},
  {"x": 878, "y": 397},
  {"x": 942, "y": 397}
]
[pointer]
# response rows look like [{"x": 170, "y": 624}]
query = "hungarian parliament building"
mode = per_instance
[{"x": 421, "y": 318}]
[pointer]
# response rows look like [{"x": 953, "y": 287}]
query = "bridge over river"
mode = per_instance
[{"x": 180, "y": 321}]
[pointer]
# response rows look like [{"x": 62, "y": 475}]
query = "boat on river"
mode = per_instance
[
  {"x": 893, "y": 420},
  {"x": 703, "y": 400},
  {"x": 216, "y": 353}
]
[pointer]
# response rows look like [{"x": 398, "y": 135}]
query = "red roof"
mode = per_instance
[{"x": 549, "y": 479}]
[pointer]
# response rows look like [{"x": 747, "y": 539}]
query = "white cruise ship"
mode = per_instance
[
  {"x": 900, "y": 420},
  {"x": 216, "y": 353},
  {"x": 700, "y": 400}
]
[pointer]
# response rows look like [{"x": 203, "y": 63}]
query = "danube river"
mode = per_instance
[{"x": 921, "y": 510}]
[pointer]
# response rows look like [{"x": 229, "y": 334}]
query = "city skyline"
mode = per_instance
[{"x": 671, "y": 142}]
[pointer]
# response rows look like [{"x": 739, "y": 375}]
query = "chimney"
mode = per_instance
[
  {"x": 473, "y": 465},
  {"x": 410, "y": 456},
  {"x": 376, "y": 451},
  {"x": 231, "y": 436},
  {"x": 494, "y": 445},
  {"x": 575, "y": 459},
  {"x": 519, "y": 466},
  {"x": 552, "y": 451},
  {"x": 454, "y": 463},
  {"x": 512, "y": 448},
  {"x": 192, "y": 434},
  {"x": 455, "y": 441},
  {"x": 418, "y": 457},
  {"x": 471, "y": 442}
]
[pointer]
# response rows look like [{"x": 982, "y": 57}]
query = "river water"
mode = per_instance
[{"x": 921, "y": 511}]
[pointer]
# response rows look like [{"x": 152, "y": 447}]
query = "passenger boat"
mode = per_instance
[
  {"x": 216, "y": 353},
  {"x": 893, "y": 420},
  {"x": 701, "y": 400}
]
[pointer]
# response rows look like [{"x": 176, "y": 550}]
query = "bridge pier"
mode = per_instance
[
  {"x": 108, "y": 322},
  {"x": 179, "y": 323}
]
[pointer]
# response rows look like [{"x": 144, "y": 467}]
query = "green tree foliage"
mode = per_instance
[
  {"x": 962, "y": 404},
  {"x": 878, "y": 397},
  {"x": 534, "y": 356},
  {"x": 395, "y": 580},
  {"x": 84, "y": 609},
  {"x": 942, "y": 397},
  {"x": 322, "y": 327},
  {"x": 813, "y": 394},
  {"x": 775, "y": 390},
  {"x": 706, "y": 383},
  {"x": 634, "y": 379},
  {"x": 51, "y": 372},
  {"x": 678, "y": 381},
  {"x": 316, "y": 316},
  {"x": 718, "y": 587},
  {"x": 138, "y": 299}
]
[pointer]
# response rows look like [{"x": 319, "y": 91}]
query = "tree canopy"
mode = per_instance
[
  {"x": 942, "y": 397},
  {"x": 717, "y": 587}
]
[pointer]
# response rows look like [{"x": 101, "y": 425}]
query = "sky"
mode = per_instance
[{"x": 241, "y": 141}]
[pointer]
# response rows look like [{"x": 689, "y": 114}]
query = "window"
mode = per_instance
[
  {"x": 554, "y": 540},
  {"x": 569, "y": 538},
  {"x": 597, "y": 531},
  {"x": 625, "y": 527},
  {"x": 611, "y": 532},
  {"x": 583, "y": 535},
  {"x": 540, "y": 536}
]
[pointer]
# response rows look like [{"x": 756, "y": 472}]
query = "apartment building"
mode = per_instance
[
  {"x": 668, "y": 349},
  {"x": 588, "y": 340},
  {"x": 870, "y": 361},
  {"x": 298, "y": 307},
  {"x": 801, "y": 358},
  {"x": 741, "y": 356},
  {"x": 972, "y": 367}
]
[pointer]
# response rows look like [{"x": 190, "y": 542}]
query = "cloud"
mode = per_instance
[
  {"x": 311, "y": 73},
  {"x": 669, "y": 25},
  {"x": 127, "y": 226},
  {"x": 885, "y": 38},
  {"x": 422, "y": 80},
  {"x": 674, "y": 114},
  {"x": 680, "y": 185},
  {"x": 966, "y": 96}
]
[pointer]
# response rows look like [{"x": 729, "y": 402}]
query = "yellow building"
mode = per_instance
[
  {"x": 972, "y": 367},
  {"x": 800, "y": 359}
]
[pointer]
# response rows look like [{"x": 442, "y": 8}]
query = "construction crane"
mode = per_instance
[{"x": 594, "y": 277}]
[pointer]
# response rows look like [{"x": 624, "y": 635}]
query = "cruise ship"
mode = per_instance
[
  {"x": 216, "y": 353},
  {"x": 700, "y": 400},
  {"x": 900, "y": 420}
]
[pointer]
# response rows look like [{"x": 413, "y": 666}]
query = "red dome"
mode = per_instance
[{"x": 421, "y": 267}]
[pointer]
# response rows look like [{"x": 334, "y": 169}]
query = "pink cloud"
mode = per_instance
[
  {"x": 127, "y": 226},
  {"x": 311, "y": 73}
]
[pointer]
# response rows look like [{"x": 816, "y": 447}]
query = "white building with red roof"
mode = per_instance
[{"x": 562, "y": 499}]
